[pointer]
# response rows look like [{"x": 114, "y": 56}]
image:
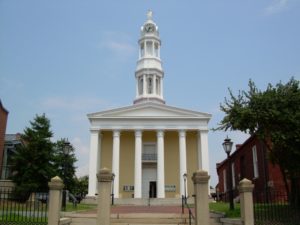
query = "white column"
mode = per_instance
[
  {"x": 144, "y": 84},
  {"x": 203, "y": 159},
  {"x": 162, "y": 88},
  {"x": 182, "y": 160},
  {"x": 93, "y": 162},
  {"x": 137, "y": 87},
  {"x": 138, "y": 165},
  {"x": 154, "y": 84},
  {"x": 160, "y": 165},
  {"x": 116, "y": 161}
]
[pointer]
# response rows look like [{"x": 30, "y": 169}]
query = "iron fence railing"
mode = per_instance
[
  {"x": 149, "y": 157},
  {"x": 15, "y": 210},
  {"x": 273, "y": 208}
]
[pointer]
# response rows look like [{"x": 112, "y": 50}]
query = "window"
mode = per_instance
[
  {"x": 255, "y": 162},
  {"x": 156, "y": 50},
  {"x": 149, "y": 48},
  {"x": 141, "y": 86},
  {"x": 150, "y": 85},
  {"x": 224, "y": 180},
  {"x": 233, "y": 175},
  {"x": 242, "y": 167},
  {"x": 142, "y": 50}
]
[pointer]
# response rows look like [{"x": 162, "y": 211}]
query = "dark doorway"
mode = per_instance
[{"x": 152, "y": 189}]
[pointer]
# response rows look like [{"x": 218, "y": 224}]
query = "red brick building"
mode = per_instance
[
  {"x": 250, "y": 160},
  {"x": 3, "y": 122}
]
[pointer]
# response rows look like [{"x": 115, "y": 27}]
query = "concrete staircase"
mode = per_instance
[{"x": 141, "y": 219}]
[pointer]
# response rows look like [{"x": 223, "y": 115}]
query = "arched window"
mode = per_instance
[
  {"x": 156, "y": 50},
  {"x": 142, "y": 50},
  {"x": 150, "y": 85},
  {"x": 149, "y": 48},
  {"x": 141, "y": 86}
]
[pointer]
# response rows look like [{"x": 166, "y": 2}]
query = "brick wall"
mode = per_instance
[
  {"x": 3, "y": 121},
  {"x": 269, "y": 175}
]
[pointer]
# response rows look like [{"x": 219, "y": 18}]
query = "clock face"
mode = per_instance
[{"x": 149, "y": 28}]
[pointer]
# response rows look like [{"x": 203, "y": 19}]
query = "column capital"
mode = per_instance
[
  {"x": 160, "y": 133},
  {"x": 202, "y": 132},
  {"x": 182, "y": 133},
  {"x": 138, "y": 133},
  {"x": 116, "y": 133},
  {"x": 94, "y": 131}
]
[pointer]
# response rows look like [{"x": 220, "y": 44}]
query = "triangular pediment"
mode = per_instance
[{"x": 149, "y": 110}]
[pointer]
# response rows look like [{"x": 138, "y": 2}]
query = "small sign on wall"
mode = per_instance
[
  {"x": 170, "y": 188},
  {"x": 128, "y": 188}
]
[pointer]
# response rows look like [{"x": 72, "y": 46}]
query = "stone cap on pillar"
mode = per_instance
[
  {"x": 56, "y": 183},
  {"x": 245, "y": 185},
  {"x": 200, "y": 177},
  {"x": 104, "y": 175}
]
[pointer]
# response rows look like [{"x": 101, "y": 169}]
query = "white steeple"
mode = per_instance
[{"x": 149, "y": 73}]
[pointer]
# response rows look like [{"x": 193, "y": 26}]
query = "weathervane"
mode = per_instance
[{"x": 149, "y": 14}]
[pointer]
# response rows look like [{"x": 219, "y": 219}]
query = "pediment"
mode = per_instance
[{"x": 149, "y": 110}]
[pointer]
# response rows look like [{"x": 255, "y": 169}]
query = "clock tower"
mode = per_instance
[{"x": 149, "y": 73}]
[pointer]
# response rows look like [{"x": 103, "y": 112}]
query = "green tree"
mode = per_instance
[
  {"x": 81, "y": 187},
  {"x": 64, "y": 163},
  {"x": 32, "y": 163},
  {"x": 274, "y": 116}
]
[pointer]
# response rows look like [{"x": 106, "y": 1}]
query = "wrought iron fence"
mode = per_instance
[
  {"x": 273, "y": 208},
  {"x": 16, "y": 210},
  {"x": 149, "y": 157}
]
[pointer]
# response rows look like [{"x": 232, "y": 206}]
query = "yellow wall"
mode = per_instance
[{"x": 127, "y": 145}]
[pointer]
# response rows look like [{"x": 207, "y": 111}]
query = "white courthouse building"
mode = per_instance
[{"x": 149, "y": 146}]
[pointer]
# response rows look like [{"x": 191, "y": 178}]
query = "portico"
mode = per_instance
[
  {"x": 149, "y": 145},
  {"x": 148, "y": 123}
]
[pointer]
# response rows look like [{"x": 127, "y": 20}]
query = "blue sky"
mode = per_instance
[{"x": 73, "y": 57}]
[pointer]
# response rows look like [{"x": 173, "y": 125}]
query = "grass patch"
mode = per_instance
[
  {"x": 224, "y": 208},
  {"x": 13, "y": 217},
  {"x": 79, "y": 207}
]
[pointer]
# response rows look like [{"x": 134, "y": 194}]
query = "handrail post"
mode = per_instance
[
  {"x": 105, "y": 178},
  {"x": 247, "y": 213},
  {"x": 200, "y": 179},
  {"x": 55, "y": 188},
  {"x": 182, "y": 205}
]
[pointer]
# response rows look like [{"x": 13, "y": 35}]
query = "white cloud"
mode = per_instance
[
  {"x": 118, "y": 43},
  {"x": 277, "y": 6},
  {"x": 82, "y": 170},
  {"x": 76, "y": 103},
  {"x": 82, "y": 154}
]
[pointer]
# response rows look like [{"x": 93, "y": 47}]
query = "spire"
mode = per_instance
[{"x": 149, "y": 73}]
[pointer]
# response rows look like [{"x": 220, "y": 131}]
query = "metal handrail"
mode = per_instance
[
  {"x": 149, "y": 156},
  {"x": 183, "y": 204}
]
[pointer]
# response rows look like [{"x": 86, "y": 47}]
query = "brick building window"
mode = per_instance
[
  {"x": 233, "y": 175},
  {"x": 255, "y": 162},
  {"x": 224, "y": 180}
]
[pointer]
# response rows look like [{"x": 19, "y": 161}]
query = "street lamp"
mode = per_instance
[
  {"x": 66, "y": 150},
  {"x": 227, "y": 145},
  {"x": 184, "y": 179},
  {"x": 112, "y": 189}
]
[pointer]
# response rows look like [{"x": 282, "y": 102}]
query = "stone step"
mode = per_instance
[{"x": 141, "y": 219}]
